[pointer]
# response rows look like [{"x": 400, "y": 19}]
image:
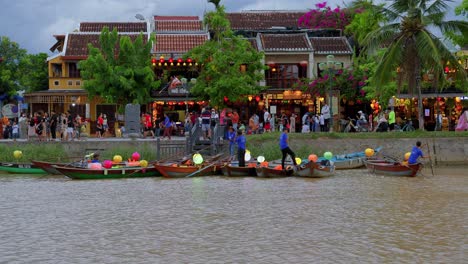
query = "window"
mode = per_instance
[
  {"x": 73, "y": 71},
  {"x": 70, "y": 83},
  {"x": 56, "y": 83},
  {"x": 78, "y": 83},
  {"x": 284, "y": 75},
  {"x": 56, "y": 70}
]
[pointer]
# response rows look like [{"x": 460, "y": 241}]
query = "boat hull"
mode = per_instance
[
  {"x": 49, "y": 166},
  {"x": 236, "y": 171},
  {"x": 19, "y": 168},
  {"x": 267, "y": 172},
  {"x": 315, "y": 170},
  {"x": 113, "y": 173},
  {"x": 393, "y": 168},
  {"x": 352, "y": 163},
  {"x": 170, "y": 171}
]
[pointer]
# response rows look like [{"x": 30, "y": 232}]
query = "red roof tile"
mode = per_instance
[
  {"x": 172, "y": 18},
  {"x": 77, "y": 44},
  {"x": 178, "y": 25},
  {"x": 331, "y": 45},
  {"x": 285, "y": 42},
  {"x": 121, "y": 26},
  {"x": 178, "y": 43},
  {"x": 258, "y": 20}
]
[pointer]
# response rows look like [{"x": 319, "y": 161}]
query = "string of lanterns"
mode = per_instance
[{"x": 173, "y": 62}]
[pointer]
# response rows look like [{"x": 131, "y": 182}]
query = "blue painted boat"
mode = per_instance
[{"x": 352, "y": 160}]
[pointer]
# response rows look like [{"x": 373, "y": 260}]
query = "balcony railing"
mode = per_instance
[{"x": 281, "y": 83}]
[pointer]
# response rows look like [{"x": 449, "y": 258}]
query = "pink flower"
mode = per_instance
[
  {"x": 321, "y": 5},
  {"x": 361, "y": 83}
]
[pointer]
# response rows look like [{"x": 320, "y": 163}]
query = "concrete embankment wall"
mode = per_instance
[{"x": 443, "y": 151}]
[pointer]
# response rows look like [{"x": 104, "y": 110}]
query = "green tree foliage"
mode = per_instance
[
  {"x": 34, "y": 75},
  {"x": 460, "y": 39},
  {"x": 367, "y": 18},
  {"x": 222, "y": 59},
  {"x": 412, "y": 47},
  {"x": 120, "y": 70},
  {"x": 10, "y": 75}
]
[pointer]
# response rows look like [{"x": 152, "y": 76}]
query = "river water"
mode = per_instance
[{"x": 353, "y": 217}]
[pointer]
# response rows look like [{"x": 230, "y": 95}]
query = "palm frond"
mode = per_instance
[
  {"x": 390, "y": 61},
  {"x": 455, "y": 26},
  {"x": 438, "y": 6},
  {"x": 381, "y": 37}
]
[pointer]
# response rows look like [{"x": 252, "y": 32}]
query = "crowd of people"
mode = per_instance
[{"x": 43, "y": 126}]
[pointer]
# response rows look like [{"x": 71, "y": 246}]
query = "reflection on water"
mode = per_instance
[{"x": 353, "y": 217}]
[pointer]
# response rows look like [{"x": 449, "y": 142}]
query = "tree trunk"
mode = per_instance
[{"x": 420, "y": 105}]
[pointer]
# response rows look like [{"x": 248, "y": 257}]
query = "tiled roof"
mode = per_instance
[
  {"x": 172, "y": 18},
  {"x": 258, "y": 20},
  {"x": 178, "y": 25},
  {"x": 77, "y": 44},
  {"x": 178, "y": 43},
  {"x": 121, "y": 26},
  {"x": 253, "y": 42},
  {"x": 285, "y": 42},
  {"x": 331, "y": 45}
]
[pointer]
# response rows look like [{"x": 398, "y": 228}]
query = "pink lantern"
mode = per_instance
[
  {"x": 136, "y": 156},
  {"x": 107, "y": 164}
]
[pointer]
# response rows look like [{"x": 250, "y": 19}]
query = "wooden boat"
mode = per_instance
[
  {"x": 233, "y": 170},
  {"x": 270, "y": 172},
  {"x": 113, "y": 173},
  {"x": 390, "y": 168},
  {"x": 49, "y": 166},
  {"x": 21, "y": 168},
  {"x": 347, "y": 161},
  {"x": 174, "y": 170},
  {"x": 315, "y": 170}
]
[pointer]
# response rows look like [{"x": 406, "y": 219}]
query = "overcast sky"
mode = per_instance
[{"x": 32, "y": 23}]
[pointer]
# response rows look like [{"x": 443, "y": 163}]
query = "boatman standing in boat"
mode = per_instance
[
  {"x": 240, "y": 141},
  {"x": 416, "y": 152},
  {"x": 285, "y": 148}
]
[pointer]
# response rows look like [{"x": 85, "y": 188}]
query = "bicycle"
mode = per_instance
[{"x": 408, "y": 127}]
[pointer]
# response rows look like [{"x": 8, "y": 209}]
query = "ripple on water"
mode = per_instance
[{"x": 353, "y": 217}]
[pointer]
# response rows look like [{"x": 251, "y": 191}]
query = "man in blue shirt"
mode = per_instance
[
  {"x": 416, "y": 153},
  {"x": 240, "y": 141},
  {"x": 285, "y": 148}
]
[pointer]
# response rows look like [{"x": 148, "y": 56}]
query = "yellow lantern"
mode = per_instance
[
  {"x": 247, "y": 155},
  {"x": 117, "y": 159},
  {"x": 197, "y": 158},
  {"x": 17, "y": 154},
  {"x": 369, "y": 152},
  {"x": 143, "y": 163},
  {"x": 298, "y": 161},
  {"x": 407, "y": 155}
]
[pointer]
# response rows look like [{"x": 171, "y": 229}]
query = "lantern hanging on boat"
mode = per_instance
[
  {"x": 369, "y": 152},
  {"x": 260, "y": 159},
  {"x": 328, "y": 155},
  {"x": 17, "y": 154},
  {"x": 313, "y": 158},
  {"x": 107, "y": 164},
  {"x": 143, "y": 163},
  {"x": 298, "y": 161},
  {"x": 117, "y": 158},
  {"x": 407, "y": 155},
  {"x": 247, "y": 156},
  {"x": 197, "y": 159},
  {"x": 136, "y": 156}
]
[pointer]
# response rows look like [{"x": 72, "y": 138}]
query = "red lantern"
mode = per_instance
[
  {"x": 189, "y": 60},
  {"x": 226, "y": 99},
  {"x": 161, "y": 60},
  {"x": 153, "y": 61},
  {"x": 257, "y": 98},
  {"x": 179, "y": 60},
  {"x": 446, "y": 69},
  {"x": 171, "y": 60}
]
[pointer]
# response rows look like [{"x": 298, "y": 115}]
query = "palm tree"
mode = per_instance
[
  {"x": 411, "y": 46},
  {"x": 215, "y": 2}
]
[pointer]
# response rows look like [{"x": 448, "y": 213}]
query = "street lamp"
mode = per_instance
[
  {"x": 332, "y": 67},
  {"x": 187, "y": 86}
]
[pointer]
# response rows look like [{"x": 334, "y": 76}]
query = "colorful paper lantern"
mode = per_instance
[
  {"x": 369, "y": 152},
  {"x": 247, "y": 156},
  {"x": 143, "y": 163},
  {"x": 17, "y": 154},
  {"x": 197, "y": 158},
  {"x": 264, "y": 164},
  {"x": 313, "y": 158},
  {"x": 298, "y": 161},
  {"x": 107, "y": 164},
  {"x": 328, "y": 155},
  {"x": 407, "y": 155},
  {"x": 117, "y": 158},
  {"x": 95, "y": 166},
  {"x": 260, "y": 159},
  {"x": 278, "y": 167},
  {"x": 136, "y": 156}
]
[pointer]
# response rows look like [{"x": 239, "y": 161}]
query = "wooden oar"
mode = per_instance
[
  {"x": 430, "y": 159},
  {"x": 216, "y": 159}
]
